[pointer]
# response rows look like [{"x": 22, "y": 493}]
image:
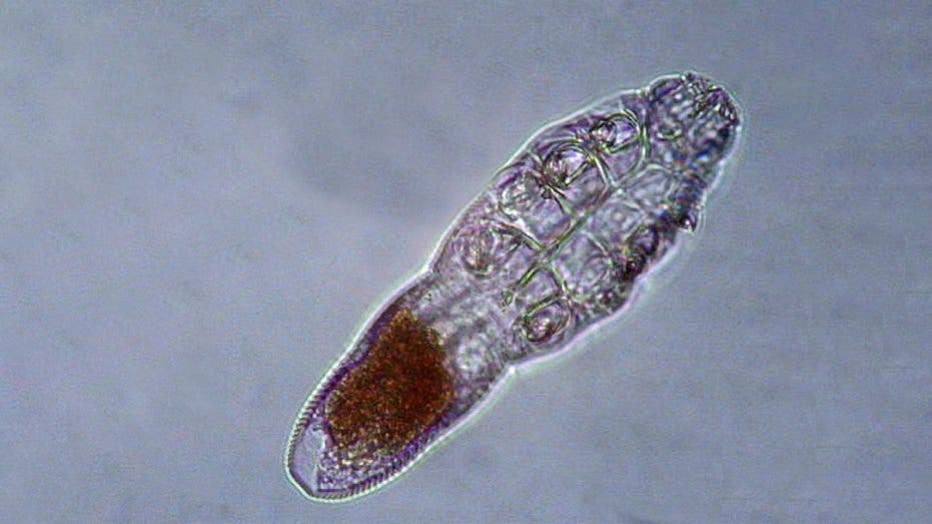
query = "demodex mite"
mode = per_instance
[{"x": 559, "y": 241}]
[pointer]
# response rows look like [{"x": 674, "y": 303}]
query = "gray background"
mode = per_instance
[{"x": 199, "y": 204}]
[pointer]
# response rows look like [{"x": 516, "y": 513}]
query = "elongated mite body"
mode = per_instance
[{"x": 559, "y": 241}]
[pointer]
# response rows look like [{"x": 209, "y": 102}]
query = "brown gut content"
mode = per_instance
[{"x": 398, "y": 390}]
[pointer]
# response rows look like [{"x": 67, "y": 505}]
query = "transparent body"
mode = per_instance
[{"x": 558, "y": 242}]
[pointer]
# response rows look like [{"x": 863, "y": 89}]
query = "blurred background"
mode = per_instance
[{"x": 199, "y": 205}]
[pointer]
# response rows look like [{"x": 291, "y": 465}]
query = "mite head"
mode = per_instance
[{"x": 691, "y": 122}]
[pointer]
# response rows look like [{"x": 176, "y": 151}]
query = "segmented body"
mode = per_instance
[{"x": 558, "y": 241}]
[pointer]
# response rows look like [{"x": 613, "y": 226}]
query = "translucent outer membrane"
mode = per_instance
[{"x": 558, "y": 241}]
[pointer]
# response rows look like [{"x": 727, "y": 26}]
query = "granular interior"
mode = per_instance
[{"x": 396, "y": 393}]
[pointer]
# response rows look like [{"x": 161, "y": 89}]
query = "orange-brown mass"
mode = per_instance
[{"x": 396, "y": 393}]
